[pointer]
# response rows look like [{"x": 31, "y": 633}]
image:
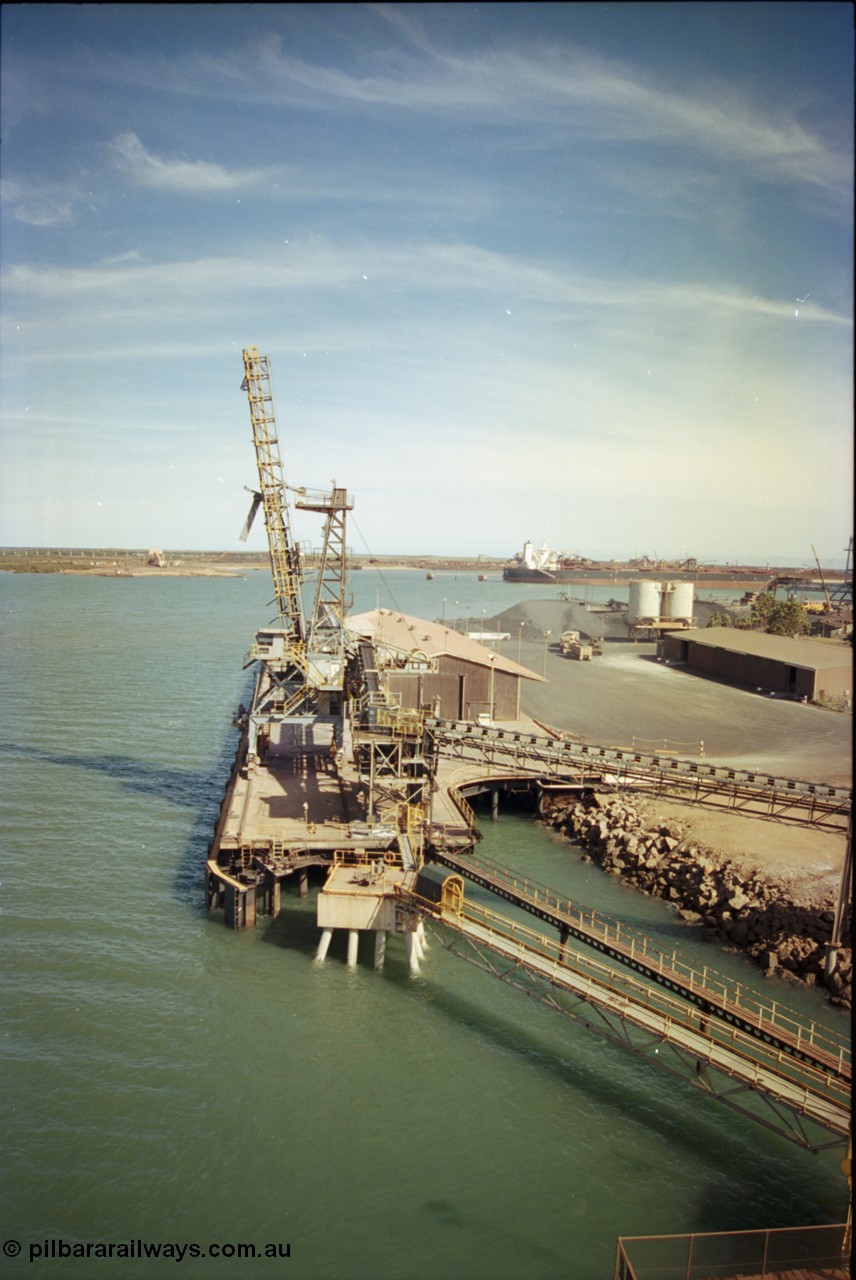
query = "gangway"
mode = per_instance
[
  {"x": 717, "y": 1057},
  {"x": 708, "y": 991}
]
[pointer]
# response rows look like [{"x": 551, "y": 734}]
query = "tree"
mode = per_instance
[
  {"x": 763, "y": 608},
  {"x": 789, "y": 618},
  {"x": 778, "y": 617}
]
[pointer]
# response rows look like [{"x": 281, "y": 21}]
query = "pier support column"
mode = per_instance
[
  {"x": 353, "y": 944},
  {"x": 421, "y": 944},
  {"x": 494, "y": 804},
  {"x": 379, "y": 949},
  {"x": 410, "y": 949},
  {"x": 275, "y": 898},
  {"x": 303, "y": 883},
  {"x": 324, "y": 945}
]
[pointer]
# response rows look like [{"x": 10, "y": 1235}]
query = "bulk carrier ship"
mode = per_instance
[{"x": 548, "y": 565}]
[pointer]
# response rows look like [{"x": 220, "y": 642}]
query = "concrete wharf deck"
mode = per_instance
[{"x": 297, "y": 803}]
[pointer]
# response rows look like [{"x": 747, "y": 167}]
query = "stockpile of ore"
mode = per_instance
[{"x": 744, "y": 911}]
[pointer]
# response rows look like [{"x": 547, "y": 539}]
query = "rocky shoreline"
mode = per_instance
[{"x": 741, "y": 910}]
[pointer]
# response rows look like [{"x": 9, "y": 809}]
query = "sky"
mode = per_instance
[{"x": 580, "y": 273}]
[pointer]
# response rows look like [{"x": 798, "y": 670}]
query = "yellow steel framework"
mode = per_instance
[{"x": 284, "y": 553}]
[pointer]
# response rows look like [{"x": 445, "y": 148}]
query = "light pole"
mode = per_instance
[
  {"x": 519, "y": 638},
  {"x": 444, "y": 609},
  {"x": 492, "y": 669},
  {"x": 547, "y": 635}
]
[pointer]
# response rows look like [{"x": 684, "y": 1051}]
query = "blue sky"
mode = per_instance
[{"x": 580, "y": 272}]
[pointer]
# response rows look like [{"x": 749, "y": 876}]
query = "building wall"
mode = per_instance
[
  {"x": 463, "y": 690},
  {"x": 759, "y": 672}
]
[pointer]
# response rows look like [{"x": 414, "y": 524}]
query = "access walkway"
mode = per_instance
[
  {"x": 716, "y": 1055},
  {"x": 708, "y": 991}
]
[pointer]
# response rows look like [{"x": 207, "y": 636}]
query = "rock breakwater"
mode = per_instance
[{"x": 743, "y": 910}]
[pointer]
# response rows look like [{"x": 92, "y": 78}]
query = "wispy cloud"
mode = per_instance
[
  {"x": 41, "y": 203},
  {"x": 415, "y": 268},
  {"x": 182, "y": 176},
  {"x": 561, "y": 84}
]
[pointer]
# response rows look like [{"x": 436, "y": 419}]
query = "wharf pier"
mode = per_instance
[
  {"x": 389, "y": 806},
  {"x": 364, "y": 738}
]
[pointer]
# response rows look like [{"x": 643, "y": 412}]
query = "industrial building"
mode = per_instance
[
  {"x": 427, "y": 664},
  {"x": 660, "y": 605},
  {"x": 802, "y": 667}
]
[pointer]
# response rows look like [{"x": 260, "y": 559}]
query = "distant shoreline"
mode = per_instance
[
  {"x": 197, "y": 564},
  {"x": 229, "y": 564}
]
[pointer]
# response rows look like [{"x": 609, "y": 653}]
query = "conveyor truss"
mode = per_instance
[{"x": 753, "y": 1056}]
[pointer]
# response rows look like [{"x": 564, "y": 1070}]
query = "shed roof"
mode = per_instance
[
  {"x": 799, "y": 651},
  {"x": 404, "y": 634}
]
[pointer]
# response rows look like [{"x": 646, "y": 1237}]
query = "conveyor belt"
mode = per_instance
[
  {"x": 706, "y": 990},
  {"x": 751, "y": 793},
  {"x": 710, "y": 1048}
]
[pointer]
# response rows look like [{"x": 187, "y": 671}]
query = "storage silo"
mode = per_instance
[
  {"x": 643, "y": 609},
  {"x": 677, "y": 602}
]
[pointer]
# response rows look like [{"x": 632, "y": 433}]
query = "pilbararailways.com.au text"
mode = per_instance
[{"x": 146, "y": 1249}]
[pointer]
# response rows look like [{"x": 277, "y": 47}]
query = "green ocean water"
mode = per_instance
[{"x": 169, "y": 1082}]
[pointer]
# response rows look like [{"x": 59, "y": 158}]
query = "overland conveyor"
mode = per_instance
[
  {"x": 708, "y": 991},
  {"x": 701, "y": 1049},
  {"x": 557, "y": 760}
]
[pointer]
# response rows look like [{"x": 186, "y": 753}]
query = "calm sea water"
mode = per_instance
[{"x": 166, "y": 1080}]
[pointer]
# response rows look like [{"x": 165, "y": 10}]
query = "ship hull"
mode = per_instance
[{"x": 623, "y": 575}]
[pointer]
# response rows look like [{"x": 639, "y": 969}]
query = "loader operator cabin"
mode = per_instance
[
  {"x": 427, "y": 664},
  {"x": 802, "y": 667}
]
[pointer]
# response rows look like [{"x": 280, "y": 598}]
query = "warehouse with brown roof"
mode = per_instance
[
  {"x": 427, "y": 664},
  {"x": 801, "y": 667}
]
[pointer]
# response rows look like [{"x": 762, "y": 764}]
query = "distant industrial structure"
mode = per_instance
[{"x": 658, "y": 606}]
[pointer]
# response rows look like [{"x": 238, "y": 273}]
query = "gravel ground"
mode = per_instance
[{"x": 625, "y": 698}]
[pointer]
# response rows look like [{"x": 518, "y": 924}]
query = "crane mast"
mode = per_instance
[
  {"x": 303, "y": 673},
  {"x": 284, "y": 553}
]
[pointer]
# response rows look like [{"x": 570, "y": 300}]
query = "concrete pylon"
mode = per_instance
[{"x": 323, "y": 946}]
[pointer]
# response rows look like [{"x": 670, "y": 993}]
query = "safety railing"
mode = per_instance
[
  {"x": 466, "y": 810},
  {"x": 711, "y": 1043},
  {"x": 667, "y": 744},
  {"x": 727, "y": 1255},
  {"x": 704, "y": 983}
]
